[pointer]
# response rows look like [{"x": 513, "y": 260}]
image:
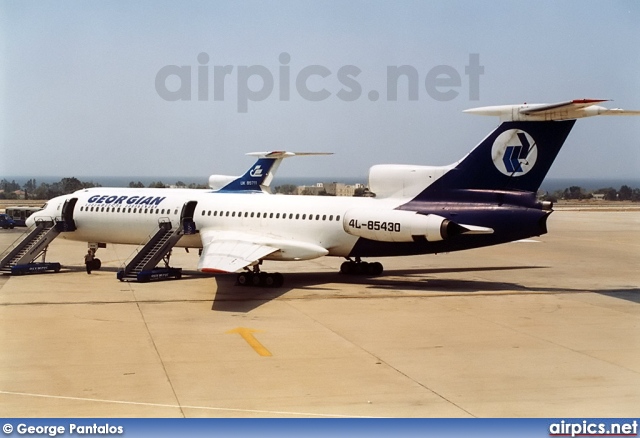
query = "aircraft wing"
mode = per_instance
[
  {"x": 230, "y": 251},
  {"x": 225, "y": 251}
]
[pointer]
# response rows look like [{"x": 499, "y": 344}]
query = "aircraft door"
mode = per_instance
[
  {"x": 67, "y": 223},
  {"x": 67, "y": 209},
  {"x": 186, "y": 217}
]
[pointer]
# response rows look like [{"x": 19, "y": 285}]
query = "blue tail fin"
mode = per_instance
[
  {"x": 259, "y": 177},
  {"x": 516, "y": 156},
  {"x": 254, "y": 179}
]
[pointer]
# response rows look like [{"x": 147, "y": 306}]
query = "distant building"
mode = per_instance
[
  {"x": 598, "y": 196},
  {"x": 331, "y": 188},
  {"x": 313, "y": 190}
]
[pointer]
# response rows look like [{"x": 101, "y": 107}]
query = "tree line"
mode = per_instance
[
  {"x": 32, "y": 190},
  {"x": 43, "y": 191},
  {"x": 625, "y": 193}
]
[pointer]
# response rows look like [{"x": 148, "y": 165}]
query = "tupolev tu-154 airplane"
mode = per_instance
[{"x": 486, "y": 198}]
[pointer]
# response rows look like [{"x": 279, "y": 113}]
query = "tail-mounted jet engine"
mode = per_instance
[{"x": 404, "y": 226}]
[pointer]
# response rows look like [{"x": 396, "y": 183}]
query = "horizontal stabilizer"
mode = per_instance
[
  {"x": 572, "y": 109},
  {"x": 285, "y": 154}
]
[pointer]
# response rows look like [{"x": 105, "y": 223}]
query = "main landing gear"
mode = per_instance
[
  {"x": 358, "y": 267},
  {"x": 263, "y": 279},
  {"x": 96, "y": 263}
]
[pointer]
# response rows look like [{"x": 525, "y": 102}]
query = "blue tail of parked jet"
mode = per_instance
[
  {"x": 259, "y": 176},
  {"x": 516, "y": 156},
  {"x": 254, "y": 179}
]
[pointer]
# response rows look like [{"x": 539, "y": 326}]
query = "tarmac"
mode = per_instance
[{"x": 548, "y": 327}]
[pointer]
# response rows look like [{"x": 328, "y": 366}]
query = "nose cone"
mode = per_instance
[{"x": 30, "y": 221}]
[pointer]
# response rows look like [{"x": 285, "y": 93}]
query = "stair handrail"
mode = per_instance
[
  {"x": 39, "y": 221},
  {"x": 161, "y": 221}
]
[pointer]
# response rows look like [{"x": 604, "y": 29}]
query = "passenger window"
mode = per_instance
[
  {"x": 129, "y": 210},
  {"x": 304, "y": 216},
  {"x": 251, "y": 214},
  {"x": 297, "y": 216},
  {"x": 118, "y": 209},
  {"x": 277, "y": 215},
  {"x": 134, "y": 210},
  {"x": 290, "y": 215},
  {"x": 175, "y": 211},
  {"x": 317, "y": 217},
  {"x": 338, "y": 217},
  {"x": 270, "y": 215},
  {"x": 227, "y": 214},
  {"x": 101, "y": 209},
  {"x": 258, "y": 215},
  {"x": 246, "y": 214},
  {"x": 209, "y": 213},
  {"x": 331, "y": 217}
]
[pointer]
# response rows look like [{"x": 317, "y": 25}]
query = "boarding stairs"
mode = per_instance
[
  {"x": 142, "y": 266},
  {"x": 19, "y": 257}
]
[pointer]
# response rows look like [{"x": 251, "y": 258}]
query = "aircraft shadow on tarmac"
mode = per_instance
[
  {"x": 229, "y": 297},
  {"x": 233, "y": 298}
]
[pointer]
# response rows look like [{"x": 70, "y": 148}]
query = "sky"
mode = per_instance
[{"x": 120, "y": 88}]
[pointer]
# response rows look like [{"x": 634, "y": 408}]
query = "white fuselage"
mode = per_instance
[{"x": 131, "y": 216}]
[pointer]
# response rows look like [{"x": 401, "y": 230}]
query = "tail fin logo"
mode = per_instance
[
  {"x": 514, "y": 152},
  {"x": 256, "y": 172}
]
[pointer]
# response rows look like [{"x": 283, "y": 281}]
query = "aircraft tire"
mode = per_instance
[
  {"x": 244, "y": 279},
  {"x": 96, "y": 264},
  {"x": 376, "y": 268},
  {"x": 346, "y": 268},
  {"x": 267, "y": 280}
]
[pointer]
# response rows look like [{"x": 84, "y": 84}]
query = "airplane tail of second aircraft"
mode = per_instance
[
  {"x": 259, "y": 176},
  {"x": 515, "y": 156}
]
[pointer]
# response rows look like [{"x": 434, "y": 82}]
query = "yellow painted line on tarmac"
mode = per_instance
[{"x": 247, "y": 335}]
